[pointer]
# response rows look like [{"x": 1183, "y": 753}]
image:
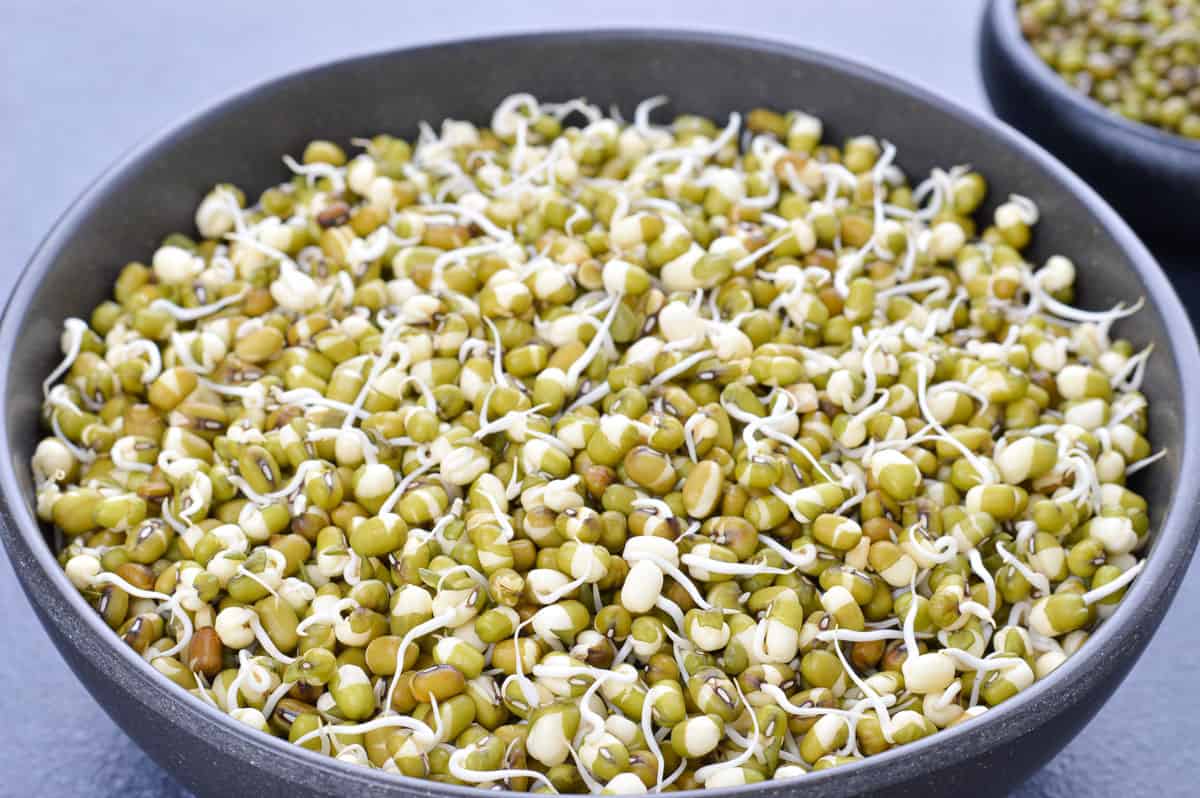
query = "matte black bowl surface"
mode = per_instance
[
  {"x": 155, "y": 189},
  {"x": 1150, "y": 176}
]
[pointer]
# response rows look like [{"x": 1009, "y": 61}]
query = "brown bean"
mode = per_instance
[
  {"x": 204, "y": 652},
  {"x": 334, "y": 215},
  {"x": 137, "y": 575}
]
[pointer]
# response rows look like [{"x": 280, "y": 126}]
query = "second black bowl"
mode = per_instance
[{"x": 1150, "y": 176}]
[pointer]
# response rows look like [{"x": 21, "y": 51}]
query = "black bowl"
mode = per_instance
[
  {"x": 154, "y": 190},
  {"x": 1150, "y": 176}
]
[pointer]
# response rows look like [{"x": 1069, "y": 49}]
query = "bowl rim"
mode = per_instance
[
  {"x": 1176, "y": 536},
  {"x": 1002, "y": 18}
]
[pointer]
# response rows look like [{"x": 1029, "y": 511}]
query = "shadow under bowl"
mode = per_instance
[
  {"x": 154, "y": 190},
  {"x": 1150, "y": 176}
]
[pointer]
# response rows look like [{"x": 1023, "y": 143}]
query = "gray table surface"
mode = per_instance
[{"x": 82, "y": 82}]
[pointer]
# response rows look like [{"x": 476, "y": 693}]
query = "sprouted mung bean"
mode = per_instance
[
  {"x": 602, "y": 456},
  {"x": 1138, "y": 58}
]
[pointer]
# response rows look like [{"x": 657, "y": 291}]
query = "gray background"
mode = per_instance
[{"x": 82, "y": 82}]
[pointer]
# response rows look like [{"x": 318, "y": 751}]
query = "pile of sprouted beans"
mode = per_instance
[{"x": 570, "y": 454}]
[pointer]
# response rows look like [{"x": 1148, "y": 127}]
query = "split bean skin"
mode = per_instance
[{"x": 572, "y": 454}]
